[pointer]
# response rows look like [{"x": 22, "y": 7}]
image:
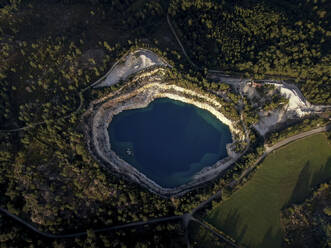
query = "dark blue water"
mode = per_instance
[{"x": 169, "y": 141}]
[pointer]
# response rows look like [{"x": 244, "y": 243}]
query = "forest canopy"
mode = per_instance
[{"x": 285, "y": 38}]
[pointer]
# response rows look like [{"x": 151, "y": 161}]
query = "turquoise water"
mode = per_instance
[{"x": 169, "y": 141}]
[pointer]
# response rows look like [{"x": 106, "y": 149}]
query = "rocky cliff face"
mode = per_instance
[{"x": 102, "y": 111}]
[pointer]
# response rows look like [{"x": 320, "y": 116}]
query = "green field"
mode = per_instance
[{"x": 252, "y": 214}]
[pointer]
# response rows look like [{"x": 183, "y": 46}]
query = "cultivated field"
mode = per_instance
[{"x": 252, "y": 214}]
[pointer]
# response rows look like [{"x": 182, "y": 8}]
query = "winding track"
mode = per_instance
[
  {"x": 216, "y": 72},
  {"x": 213, "y": 231},
  {"x": 81, "y": 99},
  {"x": 296, "y": 137},
  {"x": 80, "y": 95},
  {"x": 279, "y": 144},
  {"x": 79, "y": 234},
  {"x": 186, "y": 218}
]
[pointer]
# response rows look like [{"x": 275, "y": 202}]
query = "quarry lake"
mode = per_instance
[{"x": 169, "y": 141}]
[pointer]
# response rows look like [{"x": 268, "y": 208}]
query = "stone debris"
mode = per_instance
[{"x": 100, "y": 114}]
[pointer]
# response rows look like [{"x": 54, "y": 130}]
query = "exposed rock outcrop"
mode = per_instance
[{"x": 101, "y": 112}]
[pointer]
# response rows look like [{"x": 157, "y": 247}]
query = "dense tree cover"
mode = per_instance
[
  {"x": 203, "y": 86},
  {"x": 48, "y": 54},
  {"x": 308, "y": 224},
  {"x": 47, "y": 176},
  {"x": 267, "y": 37},
  {"x": 50, "y": 178},
  {"x": 15, "y": 235}
]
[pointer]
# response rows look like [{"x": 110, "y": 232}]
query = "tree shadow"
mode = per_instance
[
  {"x": 323, "y": 174},
  {"x": 240, "y": 235},
  {"x": 233, "y": 225},
  {"x": 302, "y": 186},
  {"x": 307, "y": 179},
  {"x": 270, "y": 238},
  {"x": 231, "y": 220}
]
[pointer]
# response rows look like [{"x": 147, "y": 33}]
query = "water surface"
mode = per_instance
[{"x": 169, "y": 141}]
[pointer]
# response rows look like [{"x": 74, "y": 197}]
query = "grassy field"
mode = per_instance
[{"x": 252, "y": 214}]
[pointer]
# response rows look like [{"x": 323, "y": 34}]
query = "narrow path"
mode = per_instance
[
  {"x": 296, "y": 137},
  {"x": 235, "y": 182},
  {"x": 217, "y": 72},
  {"x": 81, "y": 100},
  {"x": 80, "y": 95},
  {"x": 218, "y": 194},
  {"x": 180, "y": 43},
  {"x": 79, "y": 234},
  {"x": 278, "y": 145},
  {"x": 215, "y": 232},
  {"x": 186, "y": 218}
]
